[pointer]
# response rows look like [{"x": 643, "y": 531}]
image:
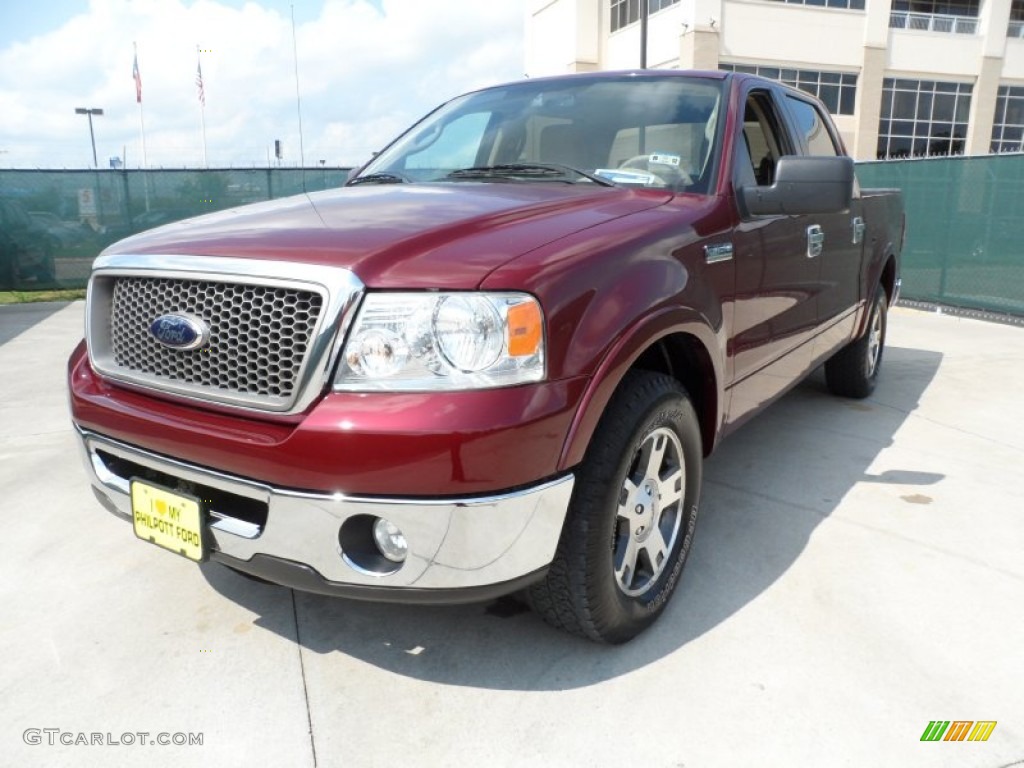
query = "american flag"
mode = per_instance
[
  {"x": 138, "y": 79},
  {"x": 199, "y": 83}
]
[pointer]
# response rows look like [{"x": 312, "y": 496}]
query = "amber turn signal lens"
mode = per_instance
[{"x": 525, "y": 329}]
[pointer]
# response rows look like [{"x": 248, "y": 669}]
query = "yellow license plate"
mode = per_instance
[{"x": 168, "y": 519}]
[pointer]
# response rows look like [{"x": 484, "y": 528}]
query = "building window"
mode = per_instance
[
  {"x": 1008, "y": 124},
  {"x": 856, "y": 5},
  {"x": 923, "y": 118},
  {"x": 1016, "y": 27},
  {"x": 951, "y": 16},
  {"x": 626, "y": 12},
  {"x": 837, "y": 90}
]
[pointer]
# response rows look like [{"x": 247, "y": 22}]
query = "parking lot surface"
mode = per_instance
[{"x": 858, "y": 572}]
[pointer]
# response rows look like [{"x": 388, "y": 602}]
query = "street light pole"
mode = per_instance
[
  {"x": 644, "y": 9},
  {"x": 92, "y": 135}
]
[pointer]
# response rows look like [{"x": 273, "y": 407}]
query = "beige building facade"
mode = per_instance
[{"x": 901, "y": 77}]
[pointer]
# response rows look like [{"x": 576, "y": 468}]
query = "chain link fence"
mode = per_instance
[
  {"x": 962, "y": 249},
  {"x": 54, "y": 223}
]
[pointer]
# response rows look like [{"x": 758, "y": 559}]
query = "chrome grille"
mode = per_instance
[
  {"x": 259, "y": 334},
  {"x": 275, "y": 327}
]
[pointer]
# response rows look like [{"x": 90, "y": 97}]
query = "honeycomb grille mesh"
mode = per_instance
[{"x": 259, "y": 335}]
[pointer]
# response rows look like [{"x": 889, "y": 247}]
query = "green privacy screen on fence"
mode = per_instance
[
  {"x": 54, "y": 223},
  {"x": 963, "y": 214},
  {"x": 964, "y": 222}
]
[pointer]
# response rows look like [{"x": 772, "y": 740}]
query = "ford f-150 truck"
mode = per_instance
[{"x": 493, "y": 361}]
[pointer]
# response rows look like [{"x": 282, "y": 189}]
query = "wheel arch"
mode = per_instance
[
  {"x": 888, "y": 277},
  {"x": 677, "y": 345},
  {"x": 883, "y": 272}
]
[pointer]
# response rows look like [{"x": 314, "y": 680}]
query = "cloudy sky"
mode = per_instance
[{"x": 367, "y": 68}]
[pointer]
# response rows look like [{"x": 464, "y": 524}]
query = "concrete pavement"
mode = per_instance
[{"x": 857, "y": 573}]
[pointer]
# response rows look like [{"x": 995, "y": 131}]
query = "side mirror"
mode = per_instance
[{"x": 803, "y": 185}]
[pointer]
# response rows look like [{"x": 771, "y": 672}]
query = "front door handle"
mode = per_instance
[{"x": 815, "y": 240}]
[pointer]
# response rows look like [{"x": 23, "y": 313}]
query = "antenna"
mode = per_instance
[{"x": 298, "y": 98}]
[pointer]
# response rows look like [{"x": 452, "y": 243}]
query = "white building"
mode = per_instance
[{"x": 901, "y": 77}]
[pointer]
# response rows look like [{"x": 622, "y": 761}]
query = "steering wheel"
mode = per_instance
[{"x": 673, "y": 173}]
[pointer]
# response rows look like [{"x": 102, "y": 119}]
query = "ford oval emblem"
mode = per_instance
[{"x": 180, "y": 331}]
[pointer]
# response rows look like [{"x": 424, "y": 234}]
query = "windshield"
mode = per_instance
[{"x": 627, "y": 131}]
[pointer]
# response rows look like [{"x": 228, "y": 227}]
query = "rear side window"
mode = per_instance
[{"x": 812, "y": 127}]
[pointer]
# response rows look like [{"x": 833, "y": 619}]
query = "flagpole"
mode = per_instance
[
  {"x": 142, "y": 126},
  {"x": 145, "y": 162},
  {"x": 202, "y": 101},
  {"x": 202, "y": 120}
]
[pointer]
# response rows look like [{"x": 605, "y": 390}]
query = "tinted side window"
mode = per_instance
[
  {"x": 763, "y": 142},
  {"x": 812, "y": 127}
]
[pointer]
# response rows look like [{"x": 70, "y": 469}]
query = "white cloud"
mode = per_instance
[{"x": 364, "y": 73}]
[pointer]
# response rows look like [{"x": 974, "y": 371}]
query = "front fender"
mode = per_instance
[
  {"x": 611, "y": 291},
  {"x": 622, "y": 355}
]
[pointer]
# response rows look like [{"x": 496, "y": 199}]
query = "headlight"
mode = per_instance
[{"x": 427, "y": 341}]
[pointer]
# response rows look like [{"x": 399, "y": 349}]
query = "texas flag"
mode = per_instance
[{"x": 138, "y": 80}]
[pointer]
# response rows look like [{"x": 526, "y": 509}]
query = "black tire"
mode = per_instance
[
  {"x": 853, "y": 370},
  {"x": 590, "y": 589}
]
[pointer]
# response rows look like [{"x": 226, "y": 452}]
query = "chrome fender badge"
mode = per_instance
[{"x": 180, "y": 331}]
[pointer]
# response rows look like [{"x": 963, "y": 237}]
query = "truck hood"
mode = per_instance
[{"x": 401, "y": 236}]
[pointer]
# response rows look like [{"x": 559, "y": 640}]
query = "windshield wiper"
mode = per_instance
[
  {"x": 379, "y": 178},
  {"x": 532, "y": 171}
]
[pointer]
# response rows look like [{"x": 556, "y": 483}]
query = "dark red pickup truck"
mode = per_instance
[{"x": 494, "y": 361}]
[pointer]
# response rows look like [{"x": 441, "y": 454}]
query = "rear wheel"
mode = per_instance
[
  {"x": 853, "y": 370},
  {"x": 632, "y": 515}
]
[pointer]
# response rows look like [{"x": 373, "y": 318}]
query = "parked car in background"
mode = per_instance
[
  {"x": 159, "y": 216},
  {"x": 26, "y": 247},
  {"x": 67, "y": 233}
]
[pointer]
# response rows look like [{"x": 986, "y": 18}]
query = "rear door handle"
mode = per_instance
[
  {"x": 815, "y": 240},
  {"x": 858, "y": 226}
]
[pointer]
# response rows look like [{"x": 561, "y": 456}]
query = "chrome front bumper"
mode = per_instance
[{"x": 454, "y": 544}]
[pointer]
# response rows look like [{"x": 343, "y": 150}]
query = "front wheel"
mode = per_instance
[
  {"x": 853, "y": 370},
  {"x": 631, "y": 518}
]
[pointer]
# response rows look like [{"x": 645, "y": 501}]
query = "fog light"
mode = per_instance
[{"x": 390, "y": 540}]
